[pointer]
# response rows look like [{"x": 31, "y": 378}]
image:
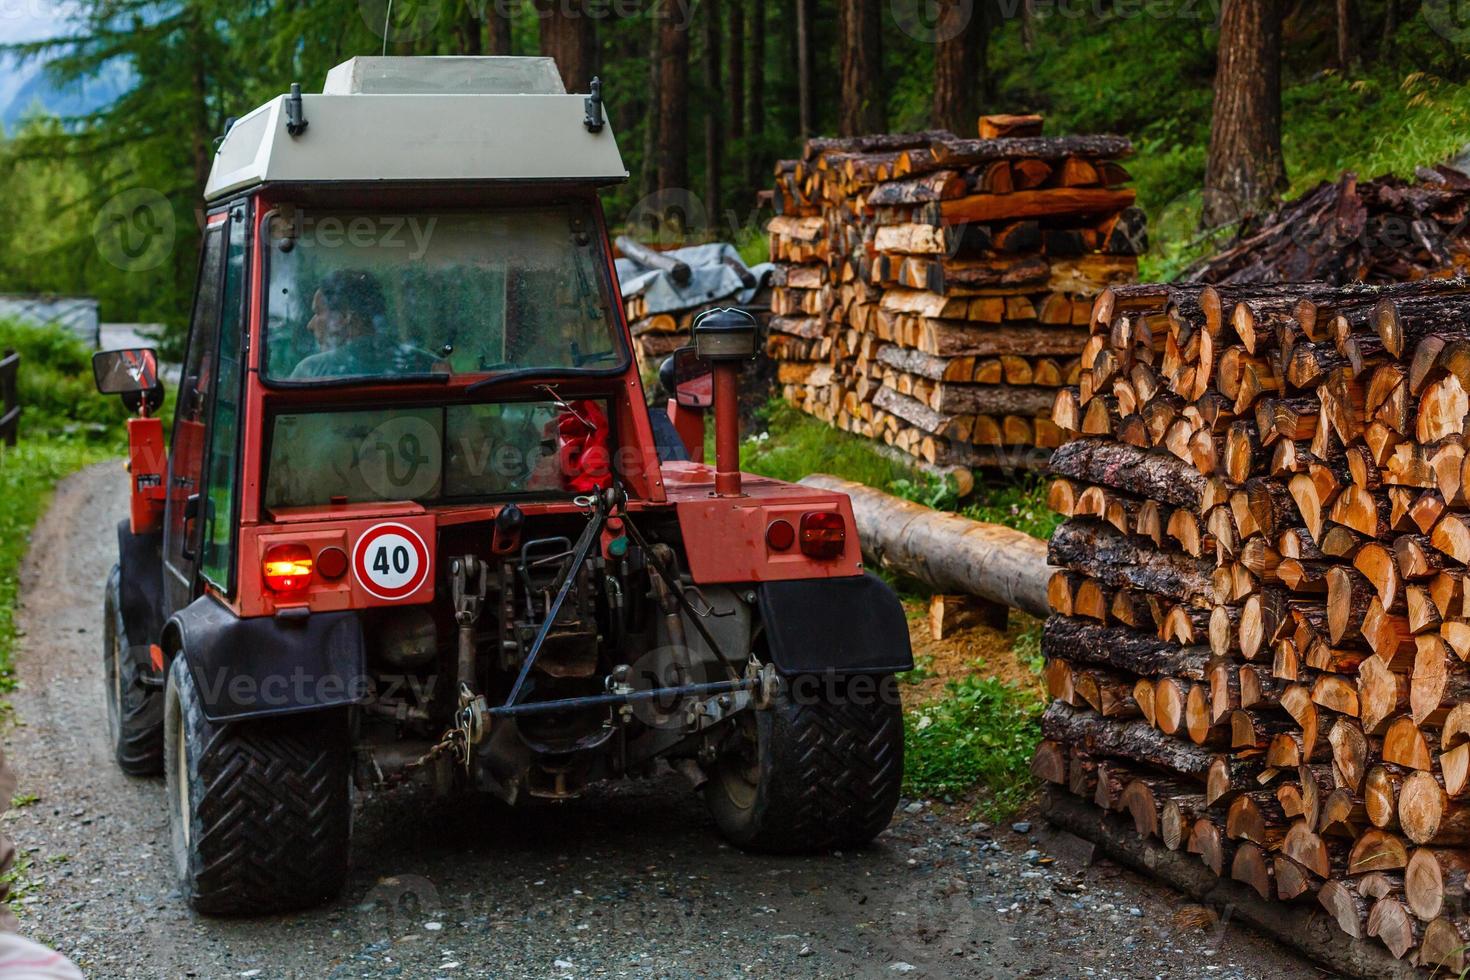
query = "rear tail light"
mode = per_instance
[
  {"x": 287, "y": 567},
  {"x": 823, "y": 534}
]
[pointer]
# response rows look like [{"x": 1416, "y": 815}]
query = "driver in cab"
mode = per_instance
[{"x": 347, "y": 322}]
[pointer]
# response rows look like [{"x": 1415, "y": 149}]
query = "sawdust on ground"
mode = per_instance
[{"x": 976, "y": 650}]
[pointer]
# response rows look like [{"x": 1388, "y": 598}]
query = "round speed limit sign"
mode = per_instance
[{"x": 390, "y": 561}]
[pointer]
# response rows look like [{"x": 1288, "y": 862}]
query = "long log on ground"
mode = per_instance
[
  {"x": 1301, "y": 927},
  {"x": 945, "y": 551}
]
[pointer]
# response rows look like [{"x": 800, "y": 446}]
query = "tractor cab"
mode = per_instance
[{"x": 413, "y": 521}]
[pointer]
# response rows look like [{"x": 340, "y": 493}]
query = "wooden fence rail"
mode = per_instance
[{"x": 10, "y": 397}]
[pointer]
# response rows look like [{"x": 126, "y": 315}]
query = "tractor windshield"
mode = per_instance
[{"x": 378, "y": 296}]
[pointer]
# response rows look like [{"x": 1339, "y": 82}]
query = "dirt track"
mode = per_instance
[{"x": 631, "y": 881}]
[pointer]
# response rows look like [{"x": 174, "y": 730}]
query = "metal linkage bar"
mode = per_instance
[{"x": 626, "y": 697}]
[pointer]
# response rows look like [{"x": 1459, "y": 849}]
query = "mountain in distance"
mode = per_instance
[{"x": 27, "y": 90}]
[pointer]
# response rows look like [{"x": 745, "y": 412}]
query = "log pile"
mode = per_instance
[
  {"x": 933, "y": 292},
  {"x": 1260, "y": 626},
  {"x": 1378, "y": 231}
]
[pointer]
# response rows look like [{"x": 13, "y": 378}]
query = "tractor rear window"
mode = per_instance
[
  {"x": 428, "y": 454},
  {"x": 372, "y": 296}
]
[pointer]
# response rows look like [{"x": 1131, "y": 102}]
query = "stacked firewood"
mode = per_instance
[
  {"x": 1261, "y": 624},
  {"x": 933, "y": 292},
  {"x": 1382, "y": 230}
]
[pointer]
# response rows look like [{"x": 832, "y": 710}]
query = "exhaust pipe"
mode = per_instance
[{"x": 725, "y": 338}]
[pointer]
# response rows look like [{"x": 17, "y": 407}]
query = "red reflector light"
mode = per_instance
[
  {"x": 287, "y": 567},
  {"x": 823, "y": 534},
  {"x": 331, "y": 563},
  {"x": 780, "y": 536}
]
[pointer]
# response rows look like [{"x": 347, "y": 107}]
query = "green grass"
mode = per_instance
[
  {"x": 64, "y": 426},
  {"x": 1021, "y": 505},
  {"x": 28, "y": 474},
  {"x": 977, "y": 739},
  {"x": 793, "y": 445}
]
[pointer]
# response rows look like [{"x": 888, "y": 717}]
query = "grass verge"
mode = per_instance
[{"x": 29, "y": 472}]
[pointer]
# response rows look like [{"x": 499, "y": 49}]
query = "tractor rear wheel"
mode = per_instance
[
  {"x": 260, "y": 812},
  {"x": 812, "y": 773},
  {"x": 134, "y": 709}
]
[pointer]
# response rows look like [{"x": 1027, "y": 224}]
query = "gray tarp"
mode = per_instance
[{"x": 710, "y": 280}]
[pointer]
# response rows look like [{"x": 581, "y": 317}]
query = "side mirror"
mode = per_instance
[
  {"x": 693, "y": 380},
  {"x": 132, "y": 373}
]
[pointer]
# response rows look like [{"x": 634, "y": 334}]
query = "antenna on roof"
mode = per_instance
[
  {"x": 295, "y": 116},
  {"x": 387, "y": 20},
  {"x": 594, "y": 121}
]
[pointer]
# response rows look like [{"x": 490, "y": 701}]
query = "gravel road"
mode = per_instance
[{"x": 631, "y": 881}]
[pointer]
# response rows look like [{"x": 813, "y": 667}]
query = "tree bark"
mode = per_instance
[
  {"x": 755, "y": 107},
  {"x": 804, "y": 68},
  {"x": 471, "y": 31},
  {"x": 735, "y": 76},
  {"x": 673, "y": 97},
  {"x": 860, "y": 40},
  {"x": 959, "y": 65},
  {"x": 1347, "y": 36},
  {"x": 1245, "y": 169},
  {"x": 569, "y": 34},
  {"x": 497, "y": 28},
  {"x": 648, "y": 168},
  {"x": 714, "y": 143}
]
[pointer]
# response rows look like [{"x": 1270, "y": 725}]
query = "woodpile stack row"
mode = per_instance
[
  {"x": 933, "y": 292},
  {"x": 1377, "y": 231},
  {"x": 1261, "y": 624}
]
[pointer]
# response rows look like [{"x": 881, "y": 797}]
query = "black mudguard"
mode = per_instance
[
  {"x": 835, "y": 626},
  {"x": 140, "y": 590},
  {"x": 264, "y": 667}
]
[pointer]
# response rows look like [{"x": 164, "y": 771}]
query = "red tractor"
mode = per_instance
[{"x": 415, "y": 520}]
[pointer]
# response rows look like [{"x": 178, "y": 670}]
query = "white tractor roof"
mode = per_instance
[{"x": 422, "y": 120}]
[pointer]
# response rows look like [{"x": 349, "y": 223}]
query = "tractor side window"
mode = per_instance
[
  {"x": 216, "y": 559},
  {"x": 191, "y": 415}
]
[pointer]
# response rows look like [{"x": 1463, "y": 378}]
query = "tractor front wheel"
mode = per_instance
[
  {"x": 134, "y": 709},
  {"x": 819, "y": 769},
  {"x": 260, "y": 812}
]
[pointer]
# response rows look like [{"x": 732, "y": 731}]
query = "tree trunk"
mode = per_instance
[
  {"x": 471, "y": 33},
  {"x": 1028, "y": 23},
  {"x": 1245, "y": 169},
  {"x": 804, "y": 67},
  {"x": 652, "y": 120},
  {"x": 755, "y": 108},
  {"x": 960, "y": 32},
  {"x": 735, "y": 78},
  {"x": 673, "y": 97},
  {"x": 497, "y": 28},
  {"x": 714, "y": 144},
  {"x": 569, "y": 34},
  {"x": 860, "y": 40},
  {"x": 1347, "y": 36}
]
